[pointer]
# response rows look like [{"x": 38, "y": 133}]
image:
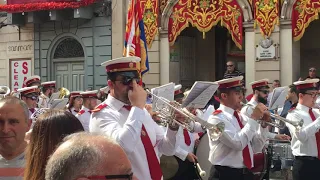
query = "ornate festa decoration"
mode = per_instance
[
  {"x": 204, "y": 14},
  {"x": 150, "y": 10},
  {"x": 163, "y": 4},
  {"x": 266, "y": 14},
  {"x": 29, "y": 7},
  {"x": 303, "y": 13}
]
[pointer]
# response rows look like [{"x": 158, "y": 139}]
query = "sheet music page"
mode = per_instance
[
  {"x": 53, "y": 97},
  {"x": 59, "y": 103},
  {"x": 166, "y": 91},
  {"x": 200, "y": 94},
  {"x": 278, "y": 97}
]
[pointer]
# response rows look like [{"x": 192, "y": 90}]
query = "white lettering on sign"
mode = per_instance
[
  {"x": 20, "y": 70},
  {"x": 19, "y": 48},
  {"x": 266, "y": 53}
]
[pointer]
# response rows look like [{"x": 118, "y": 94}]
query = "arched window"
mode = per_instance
[{"x": 68, "y": 48}]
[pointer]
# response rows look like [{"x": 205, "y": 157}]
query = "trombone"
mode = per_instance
[
  {"x": 167, "y": 111},
  {"x": 282, "y": 120}
]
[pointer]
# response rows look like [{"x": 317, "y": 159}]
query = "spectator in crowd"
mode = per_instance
[
  {"x": 291, "y": 102},
  {"x": 232, "y": 71},
  {"x": 49, "y": 130},
  {"x": 14, "y": 123},
  {"x": 88, "y": 156},
  {"x": 275, "y": 84},
  {"x": 312, "y": 75}
]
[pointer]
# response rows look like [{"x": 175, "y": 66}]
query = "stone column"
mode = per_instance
[
  {"x": 290, "y": 55},
  {"x": 118, "y": 27},
  {"x": 249, "y": 55},
  {"x": 164, "y": 58}
]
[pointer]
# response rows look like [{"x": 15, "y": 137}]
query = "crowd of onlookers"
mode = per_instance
[{"x": 58, "y": 148}]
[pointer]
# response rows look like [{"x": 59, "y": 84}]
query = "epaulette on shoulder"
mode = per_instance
[
  {"x": 293, "y": 108},
  {"x": 217, "y": 112},
  {"x": 99, "y": 107},
  {"x": 81, "y": 112}
]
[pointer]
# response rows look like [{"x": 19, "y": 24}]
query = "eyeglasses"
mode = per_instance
[
  {"x": 34, "y": 98},
  {"x": 313, "y": 95},
  {"x": 229, "y": 65},
  {"x": 312, "y": 70},
  {"x": 128, "y": 80},
  {"x": 120, "y": 176}
]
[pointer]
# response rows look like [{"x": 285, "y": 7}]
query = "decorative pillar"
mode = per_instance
[
  {"x": 164, "y": 57},
  {"x": 249, "y": 55},
  {"x": 118, "y": 27},
  {"x": 290, "y": 55}
]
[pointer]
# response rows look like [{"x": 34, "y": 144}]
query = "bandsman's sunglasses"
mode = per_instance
[{"x": 128, "y": 80}]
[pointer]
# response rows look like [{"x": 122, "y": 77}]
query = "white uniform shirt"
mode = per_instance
[
  {"x": 248, "y": 110},
  {"x": 183, "y": 149},
  {"x": 84, "y": 117},
  {"x": 43, "y": 101},
  {"x": 125, "y": 127},
  {"x": 303, "y": 141},
  {"x": 73, "y": 111},
  {"x": 227, "y": 150}
]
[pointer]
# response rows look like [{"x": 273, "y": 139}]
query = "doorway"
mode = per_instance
[{"x": 68, "y": 65}]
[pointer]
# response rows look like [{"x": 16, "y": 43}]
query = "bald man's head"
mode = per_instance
[{"x": 82, "y": 155}]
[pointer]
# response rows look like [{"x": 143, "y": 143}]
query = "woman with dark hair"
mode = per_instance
[
  {"x": 75, "y": 102},
  {"x": 49, "y": 130}
]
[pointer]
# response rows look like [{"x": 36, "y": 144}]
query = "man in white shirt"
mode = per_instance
[
  {"x": 305, "y": 142},
  {"x": 123, "y": 116},
  {"x": 14, "y": 123},
  {"x": 30, "y": 95},
  {"x": 48, "y": 88},
  {"x": 260, "y": 93},
  {"x": 90, "y": 99},
  {"x": 232, "y": 153}
]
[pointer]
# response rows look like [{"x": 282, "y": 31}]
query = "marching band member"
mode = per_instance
[
  {"x": 32, "y": 81},
  {"x": 260, "y": 94},
  {"x": 75, "y": 102},
  {"x": 305, "y": 142},
  {"x": 232, "y": 153},
  {"x": 178, "y": 94},
  {"x": 123, "y": 116},
  {"x": 90, "y": 99},
  {"x": 103, "y": 93},
  {"x": 48, "y": 88},
  {"x": 30, "y": 96}
]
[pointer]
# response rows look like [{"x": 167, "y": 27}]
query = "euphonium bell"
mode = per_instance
[
  {"x": 168, "y": 112},
  {"x": 63, "y": 92}
]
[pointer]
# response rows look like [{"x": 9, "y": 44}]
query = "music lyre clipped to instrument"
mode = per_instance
[
  {"x": 282, "y": 120},
  {"x": 168, "y": 110}
]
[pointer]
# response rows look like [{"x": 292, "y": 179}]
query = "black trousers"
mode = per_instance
[
  {"x": 228, "y": 173},
  {"x": 306, "y": 168},
  {"x": 186, "y": 170}
]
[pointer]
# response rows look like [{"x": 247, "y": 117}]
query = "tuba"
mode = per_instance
[
  {"x": 63, "y": 92},
  {"x": 168, "y": 111}
]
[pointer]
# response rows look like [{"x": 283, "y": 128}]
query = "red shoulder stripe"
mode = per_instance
[
  {"x": 81, "y": 112},
  {"x": 216, "y": 112},
  {"x": 99, "y": 107}
]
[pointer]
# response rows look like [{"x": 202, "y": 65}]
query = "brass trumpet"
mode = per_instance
[
  {"x": 282, "y": 120},
  {"x": 168, "y": 110}
]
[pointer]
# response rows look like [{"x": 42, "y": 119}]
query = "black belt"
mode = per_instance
[
  {"x": 309, "y": 158},
  {"x": 239, "y": 170}
]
